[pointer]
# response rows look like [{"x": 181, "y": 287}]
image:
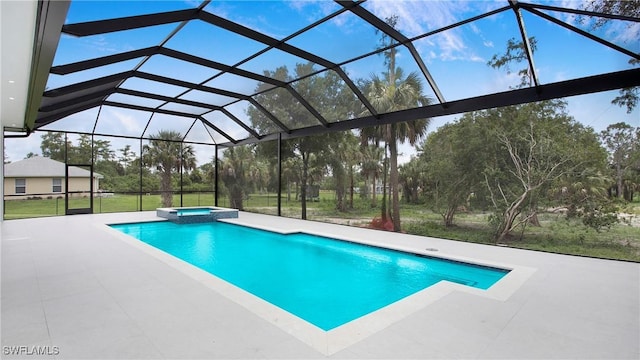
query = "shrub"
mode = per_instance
[{"x": 379, "y": 224}]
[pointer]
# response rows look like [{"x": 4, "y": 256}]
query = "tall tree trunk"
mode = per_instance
[
  {"x": 449, "y": 216},
  {"x": 619, "y": 180},
  {"x": 504, "y": 229},
  {"x": 340, "y": 200},
  {"x": 393, "y": 180},
  {"x": 338, "y": 171},
  {"x": 373, "y": 190},
  {"x": 533, "y": 212},
  {"x": 236, "y": 195},
  {"x": 351, "y": 187},
  {"x": 383, "y": 209},
  {"x": 533, "y": 218},
  {"x": 509, "y": 216},
  {"x": 303, "y": 187},
  {"x": 166, "y": 187}
]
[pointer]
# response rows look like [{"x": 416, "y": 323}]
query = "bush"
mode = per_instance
[{"x": 378, "y": 224}]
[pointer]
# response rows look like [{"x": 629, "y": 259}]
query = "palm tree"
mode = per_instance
[
  {"x": 353, "y": 157},
  {"x": 237, "y": 172},
  {"x": 370, "y": 167},
  {"x": 341, "y": 155},
  {"x": 393, "y": 92},
  {"x": 291, "y": 170},
  {"x": 412, "y": 179},
  {"x": 390, "y": 93},
  {"x": 167, "y": 154}
]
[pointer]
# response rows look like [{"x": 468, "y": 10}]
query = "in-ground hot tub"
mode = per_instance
[{"x": 196, "y": 214}]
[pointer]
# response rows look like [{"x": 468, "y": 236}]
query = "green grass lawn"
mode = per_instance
[
  {"x": 19, "y": 209},
  {"x": 621, "y": 242},
  {"x": 556, "y": 234}
]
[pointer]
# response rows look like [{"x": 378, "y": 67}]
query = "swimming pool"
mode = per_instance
[{"x": 324, "y": 281}]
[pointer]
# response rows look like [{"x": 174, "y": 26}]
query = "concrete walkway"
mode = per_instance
[{"x": 72, "y": 288}]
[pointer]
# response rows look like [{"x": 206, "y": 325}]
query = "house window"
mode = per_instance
[
  {"x": 57, "y": 185},
  {"x": 21, "y": 186}
]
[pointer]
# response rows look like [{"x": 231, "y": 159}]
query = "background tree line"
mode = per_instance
[{"x": 123, "y": 169}]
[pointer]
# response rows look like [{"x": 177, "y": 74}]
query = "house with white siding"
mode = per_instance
[{"x": 43, "y": 177}]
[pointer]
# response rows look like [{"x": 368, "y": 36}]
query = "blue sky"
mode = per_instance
[{"x": 457, "y": 58}]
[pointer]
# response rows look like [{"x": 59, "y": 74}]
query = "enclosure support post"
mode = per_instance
[
  {"x": 2, "y": 179},
  {"x": 181, "y": 172},
  {"x": 66, "y": 173},
  {"x": 279, "y": 174},
  {"x": 215, "y": 177},
  {"x": 140, "y": 172},
  {"x": 93, "y": 163}
]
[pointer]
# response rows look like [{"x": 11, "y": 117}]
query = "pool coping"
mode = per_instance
[{"x": 337, "y": 339}]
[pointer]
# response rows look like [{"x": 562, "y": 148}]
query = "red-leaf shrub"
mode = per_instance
[{"x": 379, "y": 224}]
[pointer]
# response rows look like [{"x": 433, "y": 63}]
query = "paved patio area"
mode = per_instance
[{"x": 72, "y": 288}]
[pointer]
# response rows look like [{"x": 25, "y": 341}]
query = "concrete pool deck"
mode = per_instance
[{"x": 74, "y": 289}]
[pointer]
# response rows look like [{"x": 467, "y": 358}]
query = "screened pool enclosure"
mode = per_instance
[{"x": 227, "y": 103}]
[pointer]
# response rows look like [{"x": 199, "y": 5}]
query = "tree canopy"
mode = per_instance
[
  {"x": 329, "y": 95},
  {"x": 512, "y": 161}
]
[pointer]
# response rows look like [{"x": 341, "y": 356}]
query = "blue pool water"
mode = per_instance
[
  {"x": 195, "y": 211},
  {"x": 324, "y": 281}
]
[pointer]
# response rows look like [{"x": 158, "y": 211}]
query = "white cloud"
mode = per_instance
[
  {"x": 233, "y": 11},
  {"x": 18, "y": 148},
  {"x": 416, "y": 17},
  {"x": 193, "y": 3},
  {"x": 126, "y": 122},
  {"x": 501, "y": 82},
  {"x": 569, "y": 18},
  {"x": 419, "y": 17},
  {"x": 476, "y": 58},
  {"x": 475, "y": 28},
  {"x": 341, "y": 20},
  {"x": 614, "y": 30},
  {"x": 624, "y": 33},
  {"x": 314, "y": 9},
  {"x": 558, "y": 76},
  {"x": 220, "y": 8},
  {"x": 99, "y": 43},
  {"x": 451, "y": 46}
]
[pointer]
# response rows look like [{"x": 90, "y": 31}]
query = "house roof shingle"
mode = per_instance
[{"x": 40, "y": 166}]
